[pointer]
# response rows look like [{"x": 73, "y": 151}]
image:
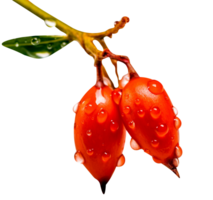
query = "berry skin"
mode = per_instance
[
  {"x": 99, "y": 134},
  {"x": 150, "y": 119}
]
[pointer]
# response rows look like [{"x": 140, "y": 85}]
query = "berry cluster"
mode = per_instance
[{"x": 139, "y": 105}]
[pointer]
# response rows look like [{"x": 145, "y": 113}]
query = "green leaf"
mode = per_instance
[{"x": 37, "y": 46}]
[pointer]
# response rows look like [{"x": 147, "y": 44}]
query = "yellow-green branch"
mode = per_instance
[{"x": 84, "y": 39}]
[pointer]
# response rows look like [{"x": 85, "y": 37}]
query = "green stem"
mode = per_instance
[{"x": 44, "y": 15}]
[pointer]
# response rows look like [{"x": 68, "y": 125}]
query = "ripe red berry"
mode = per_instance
[
  {"x": 99, "y": 134},
  {"x": 150, "y": 119}
]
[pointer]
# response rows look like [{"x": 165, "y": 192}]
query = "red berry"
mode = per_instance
[
  {"x": 100, "y": 139},
  {"x": 150, "y": 119}
]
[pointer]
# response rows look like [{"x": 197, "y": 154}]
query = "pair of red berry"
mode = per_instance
[{"x": 142, "y": 107}]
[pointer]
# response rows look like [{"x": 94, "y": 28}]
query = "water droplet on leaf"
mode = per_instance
[{"x": 35, "y": 41}]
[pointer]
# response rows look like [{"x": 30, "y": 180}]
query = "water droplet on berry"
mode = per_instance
[
  {"x": 106, "y": 81},
  {"x": 90, "y": 152},
  {"x": 178, "y": 151},
  {"x": 121, "y": 161},
  {"x": 114, "y": 126},
  {"x": 79, "y": 157},
  {"x": 162, "y": 130},
  {"x": 134, "y": 145},
  {"x": 126, "y": 109},
  {"x": 156, "y": 160},
  {"x": 141, "y": 113},
  {"x": 116, "y": 95},
  {"x": 89, "y": 108},
  {"x": 63, "y": 44},
  {"x": 89, "y": 132},
  {"x": 131, "y": 124},
  {"x": 99, "y": 97},
  {"x": 16, "y": 44},
  {"x": 146, "y": 152},
  {"x": 124, "y": 81},
  {"x": 155, "y": 143},
  {"x": 177, "y": 123},
  {"x": 175, "y": 162},
  {"x": 102, "y": 116},
  {"x": 106, "y": 156},
  {"x": 74, "y": 125},
  {"x": 155, "y": 112},
  {"x": 155, "y": 87},
  {"x": 126, "y": 96},
  {"x": 75, "y": 108},
  {"x": 137, "y": 101},
  {"x": 175, "y": 110}
]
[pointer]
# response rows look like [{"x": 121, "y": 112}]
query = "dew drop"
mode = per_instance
[
  {"x": 75, "y": 108},
  {"x": 146, "y": 152},
  {"x": 106, "y": 156},
  {"x": 102, "y": 116},
  {"x": 141, "y": 113},
  {"x": 178, "y": 151},
  {"x": 175, "y": 162},
  {"x": 63, "y": 44},
  {"x": 127, "y": 110},
  {"x": 79, "y": 157},
  {"x": 35, "y": 41},
  {"x": 89, "y": 132},
  {"x": 125, "y": 79},
  {"x": 90, "y": 152},
  {"x": 177, "y": 123},
  {"x": 126, "y": 96},
  {"x": 155, "y": 143},
  {"x": 49, "y": 46},
  {"x": 162, "y": 130},
  {"x": 16, "y": 44},
  {"x": 131, "y": 125},
  {"x": 75, "y": 125},
  {"x": 175, "y": 110},
  {"x": 89, "y": 108},
  {"x": 121, "y": 161},
  {"x": 156, "y": 160},
  {"x": 114, "y": 126},
  {"x": 50, "y": 22},
  {"x": 137, "y": 101},
  {"x": 155, "y": 87},
  {"x": 99, "y": 97},
  {"x": 155, "y": 112},
  {"x": 134, "y": 145},
  {"x": 116, "y": 95}
]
